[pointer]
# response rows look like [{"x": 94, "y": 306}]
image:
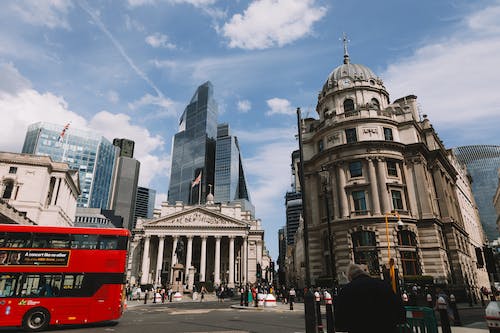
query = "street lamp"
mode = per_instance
[
  {"x": 392, "y": 272},
  {"x": 329, "y": 222}
]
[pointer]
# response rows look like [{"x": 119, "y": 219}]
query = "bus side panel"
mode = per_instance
[
  {"x": 69, "y": 311},
  {"x": 106, "y": 303},
  {"x": 10, "y": 314}
]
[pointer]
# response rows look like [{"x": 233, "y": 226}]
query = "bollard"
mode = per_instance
[
  {"x": 330, "y": 325},
  {"x": 317, "y": 303},
  {"x": 246, "y": 296},
  {"x": 456, "y": 315},
  {"x": 309, "y": 312},
  {"x": 242, "y": 296},
  {"x": 443, "y": 315},
  {"x": 291, "y": 298},
  {"x": 146, "y": 297}
]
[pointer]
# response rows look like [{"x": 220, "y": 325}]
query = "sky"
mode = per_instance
[{"x": 127, "y": 69}]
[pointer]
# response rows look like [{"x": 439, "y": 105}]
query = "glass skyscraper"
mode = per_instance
[
  {"x": 91, "y": 154},
  {"x": 193, "y": 150},
  {"x": 483, "y": 162}
]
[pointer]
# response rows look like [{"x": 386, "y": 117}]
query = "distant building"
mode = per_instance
[
  {"x": 282, "y": 246},
  {"x": 42, "y": 190},
  {"x": 144, "y": 203},
  {"x": 125, "y": 180},
  {"x": 482, "y": 163},
  {"x": 92, "y": 155},
  {"x": 293, "y": 202},
  {"x": 97, "y": 218}
]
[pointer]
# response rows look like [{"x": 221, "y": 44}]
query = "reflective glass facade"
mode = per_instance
[
  {"x": 89, "y": 153},
  {"x": 483, "y": 162},
  {"x": 193, "y": 149}
]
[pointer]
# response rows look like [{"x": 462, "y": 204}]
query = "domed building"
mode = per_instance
[{"x": 380, "y": 182}]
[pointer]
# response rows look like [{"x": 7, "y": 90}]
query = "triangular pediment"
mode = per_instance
[{"x": 198, "y": 218}]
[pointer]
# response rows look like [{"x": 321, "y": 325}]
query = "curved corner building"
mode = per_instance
[{"x": 483, "y": 163}]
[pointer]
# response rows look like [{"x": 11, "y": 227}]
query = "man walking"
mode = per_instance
[{"x": 366, "y": 304}]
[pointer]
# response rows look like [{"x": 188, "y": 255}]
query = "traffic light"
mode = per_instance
[{"x": 259, "y": 271}]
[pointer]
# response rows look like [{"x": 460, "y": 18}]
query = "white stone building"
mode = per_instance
[
  {"x": 43, "y": 190},
  {"x": 221, "y": 243}
]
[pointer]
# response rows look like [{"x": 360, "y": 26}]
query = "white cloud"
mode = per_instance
[
  {"x": 148, "y": 99},
  {"x": 132, "y": 24},
  {"x": 244, "y": 106},
  {"x": 49, "y": 13},
  {"x": 279, "y": 106},
  {"x": 269, "y": 23},
  {"x": 157, "y": 40},
  {"x": 456, "y": 78}
]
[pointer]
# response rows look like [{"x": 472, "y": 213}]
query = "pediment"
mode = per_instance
[{"x": 197, "y": 218}]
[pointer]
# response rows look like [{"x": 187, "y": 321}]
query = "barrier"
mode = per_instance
[
  {"x": 260, "y": 299},
  {"x": 419, "y": 319},
  {"x": 270, "y": 301},
  {"x": 177, "y": 296}
]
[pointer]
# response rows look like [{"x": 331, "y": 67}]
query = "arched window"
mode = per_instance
[
  {"x": 348, "y": 105},
  {"x": 376, "y": 104},
  {"x": 407, "y": 242},
  {"x": 8, "y": 188},
  {"x": 365, "y": 250}
]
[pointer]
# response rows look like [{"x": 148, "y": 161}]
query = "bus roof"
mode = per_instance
[{"x": 63, "y": 230}]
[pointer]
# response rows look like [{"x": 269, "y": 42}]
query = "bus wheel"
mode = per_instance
[{"x": 36, "y": 319}]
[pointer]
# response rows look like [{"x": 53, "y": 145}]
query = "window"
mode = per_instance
[
  {"x": 397, "y": 201},
  {"x": 320, "y": 145},
  {"x": 388, "y": 134},
  {"x": 358, "y": 197},
  {"x": 84, "y": 242},
  {"x": 18, "y": 239},
  {"x": 13, "y": 170},
  {"x": 348, "y": 105},
  {"x": 479, "y": 257},
  {"x": 406, "y": 238},
  {"x": 57, "y": 241},
  {"x": 409, "y": 261},
  {"x": 376, "y": 104},
  {"x": 356, "y": 169},
  {"x": 392, "y": 169},
  {"x": 365, "y": 250},
  {"x": 7, "y": 192},
  {"x": 350, "y": 134}
]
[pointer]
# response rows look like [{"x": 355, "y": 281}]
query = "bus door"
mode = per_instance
[{"x": 8, "y": 310}]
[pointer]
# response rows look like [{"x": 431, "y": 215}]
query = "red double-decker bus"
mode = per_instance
[{"x": 61, "y": 275}]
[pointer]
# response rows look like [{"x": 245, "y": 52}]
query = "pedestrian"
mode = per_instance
[
  {"x": 368, "y": 298},
  {"x": 203, "y": 292},
  {"x": 170, "y": 293},
  {"x": 291, "y": 297},
  {"x": 440, "y": 293}
]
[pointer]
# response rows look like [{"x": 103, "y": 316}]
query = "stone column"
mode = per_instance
[
  {"x": 174, "y": 258},
  {"x": 344, "y": 204},
  {"x": 231, "y": 262},
  {"x": 159, "y": 260},
  {"x": 373, "y": 188},
  {"x": 384, "y": 195},
  {"x": 203, "y": 261},
  {"x": 145, "y": 260},
  {"x": 245, "y": 260},
  {"x": 189, "y": 254},
  {"x": 217, "y": 261}
]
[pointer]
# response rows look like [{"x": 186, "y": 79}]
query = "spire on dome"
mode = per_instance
[{"x": 346, "y": 54}]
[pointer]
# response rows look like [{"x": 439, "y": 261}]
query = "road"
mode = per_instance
[{"x": 216, "y": 317}]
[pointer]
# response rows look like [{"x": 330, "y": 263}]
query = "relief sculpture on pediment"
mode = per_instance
[{"x": 198, "y": 218}]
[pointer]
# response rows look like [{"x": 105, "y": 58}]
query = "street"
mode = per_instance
[{"x": 216, "y": 317}]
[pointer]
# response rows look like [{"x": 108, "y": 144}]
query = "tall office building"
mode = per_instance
[
  {"x": 293, "y": 202},
  {"x": 193, "y": 152},
  {"x": 125, "y": 180},
  {"x": 230, "y": 182},
  {"x": 482, "y": 162},
  {"x": 144, "y": 203},
  {"x": 89, "y": 153}
]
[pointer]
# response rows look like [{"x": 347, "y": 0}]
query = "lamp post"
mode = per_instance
[
  {"x": 329, "y": 222},
  {"x": 392, "y": 272}
]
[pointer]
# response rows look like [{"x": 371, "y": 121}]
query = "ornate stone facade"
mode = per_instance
[{"x": 213, "y": 242}]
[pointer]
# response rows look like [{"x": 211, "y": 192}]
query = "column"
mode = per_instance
[
  {"x": 189, "y": 254},
  {"x": 245, "y": 259},
  {"x": 159, "y": 260},
  {"x": 217, "y": 261},
  {"x": 344, "y": 205},
  {"x": 373, "y": 188},
  {"x": 174, "y": 258},
  {"x": 145, "y": 260},
  {"x": 383, "y": 187},
  {"x": 231, "y": 262},
  {"x": 203, "y": 261}
]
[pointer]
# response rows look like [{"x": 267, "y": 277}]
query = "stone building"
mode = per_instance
[
  {"x": 44, "y": 191},
  {"x": 370, "y": 161},
  {"x": 220, "y": 243}
]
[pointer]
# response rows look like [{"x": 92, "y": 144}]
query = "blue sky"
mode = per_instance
[{"x": 128, "y": 68}]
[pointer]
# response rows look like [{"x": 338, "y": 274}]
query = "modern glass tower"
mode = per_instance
[
  {"x": 91, "y": 154},
  {"x": 483, "y": 162},
  {"x": 144, "y": 203},
  {"x": 230, "y": 182},
  {"x": 193, "y": 150}
]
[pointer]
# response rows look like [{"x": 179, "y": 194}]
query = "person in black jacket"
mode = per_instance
[{"x": 366, "y": 304}]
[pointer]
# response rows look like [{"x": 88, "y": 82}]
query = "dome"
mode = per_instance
[{"x": 354, "y": 71}]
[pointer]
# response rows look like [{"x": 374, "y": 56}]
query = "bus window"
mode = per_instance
[
  {"x": 49, "y": 285},
  {"x": 3, "y": 238},
  {"x": 54, "y": 241},
  {"x": 84, "y": 241},
  {"x": 108, "y": 242},
  {"x": 29, "y": 285},
  {"x": 18, "y": 239},
  {"x": 8, "y": 284}
]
